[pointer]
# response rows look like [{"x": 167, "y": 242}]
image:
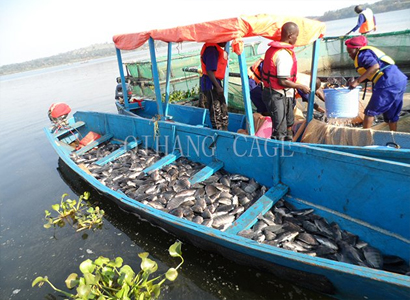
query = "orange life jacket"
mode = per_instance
[
  {"x": 254, "y": 72},
  {"x": 269, "y": 69},
  {"x": 222, "y": 61},
  {"x": 368, "y": 24}
]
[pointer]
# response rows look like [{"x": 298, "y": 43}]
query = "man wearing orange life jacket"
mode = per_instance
[
  {"x": 279, "y": 81},
  {"x": 214, "y": 60},
  {"x": 255, "y": 86},
  {"x": 366, "y": 21}
]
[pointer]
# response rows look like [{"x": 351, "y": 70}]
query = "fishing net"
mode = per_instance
[
  {"x": 333, "y": 53},
  {"x": 318, "y": 132}
]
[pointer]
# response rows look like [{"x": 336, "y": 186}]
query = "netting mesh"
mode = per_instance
[{"x": 318, "y": 132}]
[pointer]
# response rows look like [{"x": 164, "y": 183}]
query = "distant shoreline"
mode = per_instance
[{"x": 108, "y": 49}]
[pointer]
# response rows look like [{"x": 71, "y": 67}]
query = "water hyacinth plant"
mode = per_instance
[
  {"x": 76, "y": 213},
  {"x": 110, "y": 279}
]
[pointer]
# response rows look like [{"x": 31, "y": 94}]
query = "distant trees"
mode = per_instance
[
  {"x": 108, "y": 49},
  {"x": 378, "y": 7}
]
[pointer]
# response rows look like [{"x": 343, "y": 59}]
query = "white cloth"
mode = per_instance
[{"x": 284, "y": 64}]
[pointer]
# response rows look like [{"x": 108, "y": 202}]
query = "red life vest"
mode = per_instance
[
  {"x": 269, "y": 69},
  {"x": 222, "y": 61},
  {"x": 254, "y": 72}
]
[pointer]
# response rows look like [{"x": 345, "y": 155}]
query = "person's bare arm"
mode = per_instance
[
  {"x": 211, "y": 76},
  {"x": 370, "y": 71},
  {"x": 290, "y": 84}
]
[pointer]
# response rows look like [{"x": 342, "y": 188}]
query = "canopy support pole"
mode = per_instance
[
  {"x": 155, "y": 77},
  {"x": 226, "y": 78},
  {"x": 123, "y": 83},
  {"x": 315, "y": 61},
  {"x": 245, "y": 93},
  {"x": 168, "y": 79}
]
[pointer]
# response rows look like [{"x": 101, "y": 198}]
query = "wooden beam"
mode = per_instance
[
  {"x": 260, "y": 207},
  {"x": 206, "y": 172},
  {"x": 166, "y": 160},
  {"x": 117, "y": 153},
  {"x": 94, "y": 144}
]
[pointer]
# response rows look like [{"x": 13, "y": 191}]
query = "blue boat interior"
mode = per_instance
[{"x": 304, "y": 176}]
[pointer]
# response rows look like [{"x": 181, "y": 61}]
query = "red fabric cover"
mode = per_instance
[
  {"x": 233, "y": 29},
  {"x": 90, "y": 137}
]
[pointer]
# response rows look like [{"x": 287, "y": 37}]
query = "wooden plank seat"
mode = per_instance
[
  {"x": 166, "y": 160},
  {"x": 93, "y": 144},
  {"x": 117, "y": 153},
  {"x": 70, "y": 129},
  {"x": 206, "y": 172},
  {"x": 261, "y": 206}
]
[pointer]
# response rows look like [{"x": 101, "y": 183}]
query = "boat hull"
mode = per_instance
[{"x": 355, "y": 191}]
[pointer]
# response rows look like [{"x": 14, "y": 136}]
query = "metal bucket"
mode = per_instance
[{"x": 342, "y": 102}]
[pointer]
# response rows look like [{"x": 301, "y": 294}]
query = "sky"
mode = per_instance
[{"x": 31, "y": 29}]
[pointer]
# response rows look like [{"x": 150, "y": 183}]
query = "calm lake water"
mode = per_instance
[{"x": 32, "y": 179}]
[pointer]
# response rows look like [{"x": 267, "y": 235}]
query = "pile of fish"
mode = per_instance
[
  {"x": 303, "y": 231},
  {"x": 220, "y": 199},
  {"x": 215, "y": 202}
]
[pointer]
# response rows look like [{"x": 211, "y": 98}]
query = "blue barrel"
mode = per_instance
[{"x": 342, "y": 102}]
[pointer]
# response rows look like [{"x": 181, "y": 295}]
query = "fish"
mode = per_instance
[
  {"x": 373, "y": 257},
  {"x": 176, "y": 202},
  {"x": 221, "y": 198},
  {"x": 222, "y": 220},
  {"x": 286, "y": 236}
]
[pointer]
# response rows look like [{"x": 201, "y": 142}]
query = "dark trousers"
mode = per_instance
[
  {"x": 280, "y": 109},
  {"x": 218, "y": 110}
]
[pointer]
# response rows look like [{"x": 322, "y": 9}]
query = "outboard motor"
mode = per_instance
[{"x": 58, "y": 113}]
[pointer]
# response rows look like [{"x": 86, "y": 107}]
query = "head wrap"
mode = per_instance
[{"x": 356, "y": 42}]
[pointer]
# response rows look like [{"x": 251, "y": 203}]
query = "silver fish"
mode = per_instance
[{"x": 176, "y": 202}]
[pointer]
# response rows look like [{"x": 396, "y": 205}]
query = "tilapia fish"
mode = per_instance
[
  {"x": 215, "y": 202},
  {"x": 220, "y": 199}
]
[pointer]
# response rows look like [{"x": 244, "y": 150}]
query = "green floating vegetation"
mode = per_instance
[
  {"x": 179, "y": 95},
  {"x": 76, "y": 213},
  {"x": 110, "y": 279}
]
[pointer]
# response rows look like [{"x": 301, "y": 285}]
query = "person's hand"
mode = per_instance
[
  {"x": 353, "y": 83},
  {"x": 219, "y": 89},
  {"x": 305, "y": 89}
]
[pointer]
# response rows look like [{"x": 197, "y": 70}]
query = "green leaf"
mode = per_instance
[
  {"x": 156, "y": 290},
  {"x": 128, "y": 274},
  {"x": 171, "y": 274},
  {"x": 108, "y": 272},
  {"x": 101, "y": 261},
  {"x": 37, "y": 280},
  {"x": 143, "y": 254},
  {"x": 47, "y": 213},
  {"x": 117, "y": 263},
  {"x": 56, "y": 207},
  {"x": 148, "y": 265},
  {"x": 123, "y": 293},
  {"x": 175, "y": 249},
  {"x": 83, "y": 291},
  {"x": 71, "y": 281},
  {"x": 48, "y": 225},
  {"x": 89, "y": 279},
  {"x": 87, "y": 266},
  {"x": 86, "y": 195}
]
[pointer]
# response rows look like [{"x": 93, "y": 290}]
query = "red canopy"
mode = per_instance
[{"x": 233, "y": 29}]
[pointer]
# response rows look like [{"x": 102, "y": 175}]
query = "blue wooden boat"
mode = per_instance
[
  {"x": 366, "y": 196},
  {"x": 235, "y": 30}
]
